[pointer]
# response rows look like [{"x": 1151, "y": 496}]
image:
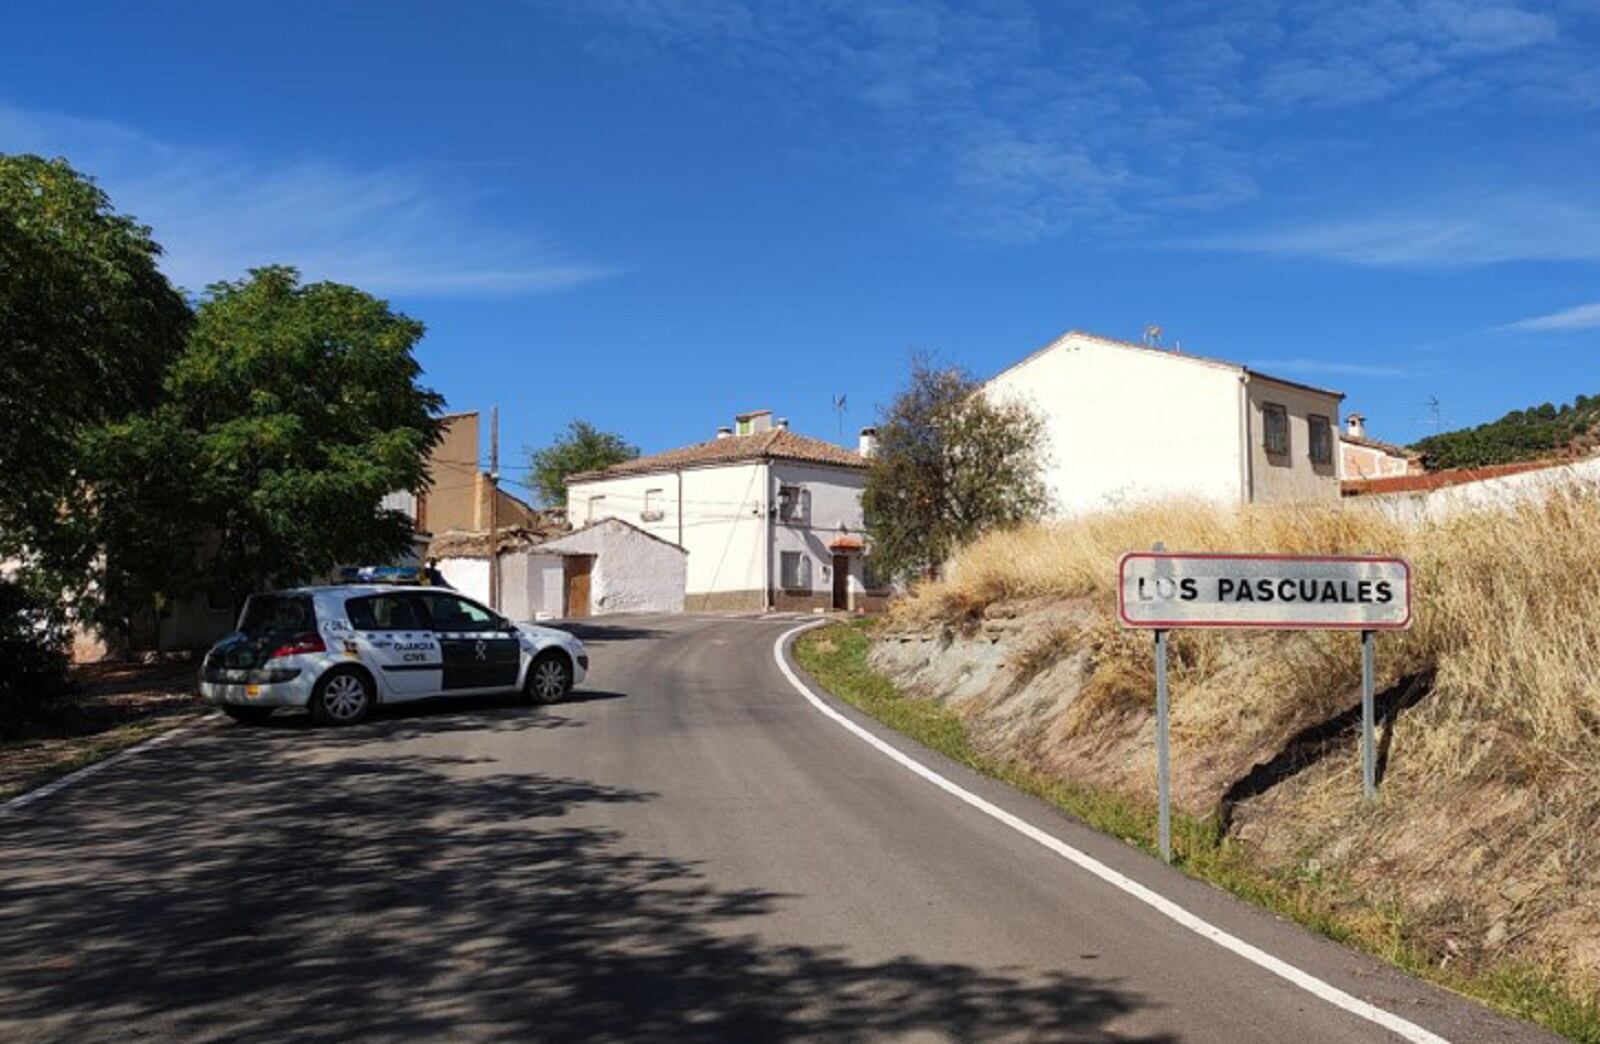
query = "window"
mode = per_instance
[
  {"x": 1275, "y": 433},
  {"x": 744, "y": 425},
  {"x": 597, "y": 504},
  {"x": 794, "y": 505},
  {"x": 277, "y": 614},
  {"x": 795, "y": 569},
  {"x": 389, "y": 612},
  {"x": 1321, "y": 439},
  {"x": 652, "y": 506},
  {"x": 458, "y": 614}
]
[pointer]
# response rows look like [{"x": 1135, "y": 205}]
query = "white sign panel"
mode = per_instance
[{"x": 1295, "y": 592}]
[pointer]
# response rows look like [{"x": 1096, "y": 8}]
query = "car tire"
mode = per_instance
[
  {"x": 247, "y": 715},
  {"x": 342, "y": 696},
  {"x": 549, "y": 677}
]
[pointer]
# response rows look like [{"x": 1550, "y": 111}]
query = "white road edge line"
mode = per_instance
[
  {"x": 1306, "y": 981},
  {"x": 28, "y": 797}
]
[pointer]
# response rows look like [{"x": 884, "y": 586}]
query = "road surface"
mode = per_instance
[{"x": 686, "y": 851}]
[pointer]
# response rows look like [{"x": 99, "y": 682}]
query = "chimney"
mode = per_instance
[
  {"x": 724, "y": 432},
  {"x": 867, "y": 446},
  {"x": 782, "y": 424},
  {"x": 1355, "y": 426},
  {"x": 753, "y": 423}
]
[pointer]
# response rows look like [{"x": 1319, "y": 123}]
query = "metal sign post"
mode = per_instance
[
  {"x": 1369, "y": 756},
  {"x": 1159, "y": 591},
  {"x": 1163, "y": 759}
]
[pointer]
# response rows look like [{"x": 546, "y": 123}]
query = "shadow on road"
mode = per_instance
[{"x": 249, "y": 885}]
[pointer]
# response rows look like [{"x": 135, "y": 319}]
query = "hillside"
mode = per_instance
[
  {"x": 1530, "y": 434},
  {"x": 1480, "y": 859}
]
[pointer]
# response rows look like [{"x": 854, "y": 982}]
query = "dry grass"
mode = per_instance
[
  {"x": 1507, "y": 614},
  {"x": 1508, "y": 610}
]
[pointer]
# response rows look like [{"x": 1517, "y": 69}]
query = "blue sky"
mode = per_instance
[{"x": 655, "y": 213}]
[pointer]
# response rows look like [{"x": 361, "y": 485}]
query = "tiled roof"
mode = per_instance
[
  {"x": 1440, "y": 479},
  {"x": 777, "y": 444},
  {"x": 464, "y": 543},
  {"x": 1376, "y": 444}
]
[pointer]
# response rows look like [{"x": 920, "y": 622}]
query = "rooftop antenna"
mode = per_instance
[
  {"x": 839, "y": 409},
  {"x": 1152, "y": 335},
  {"x": 1434, "y": 413}
]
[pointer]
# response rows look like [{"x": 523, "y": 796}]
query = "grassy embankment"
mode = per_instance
[{"x": 1508, "y": 628}]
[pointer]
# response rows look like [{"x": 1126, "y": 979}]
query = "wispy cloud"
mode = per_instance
[
  {"x": 1337, "y": 369},
  {"x": 1582, "y": 317},
  {"x": 1037, "y": 121},
  {"x": 1478, "y": 232},
  {"x": 218, "y": 213}
]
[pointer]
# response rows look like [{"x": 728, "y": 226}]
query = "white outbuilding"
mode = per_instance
[
  {"x": 610, "y": 566},
  {"x": 606, "y": 567}
]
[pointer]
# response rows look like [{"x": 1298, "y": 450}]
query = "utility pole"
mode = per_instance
[{"x": 494, "y": 508}]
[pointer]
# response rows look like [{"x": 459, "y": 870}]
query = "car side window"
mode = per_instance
[
  {"x": 383, "y": 613},
  {"x": 456, "y": 614}
]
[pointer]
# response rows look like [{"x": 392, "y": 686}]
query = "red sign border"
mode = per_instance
[{"x": 1172, "y": 625}]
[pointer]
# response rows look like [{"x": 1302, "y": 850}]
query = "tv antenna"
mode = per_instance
[
  {"x": 839, "y": 410},
  {"x": 1434, "y": 413},
  {"x": 1152, "y": 335}
]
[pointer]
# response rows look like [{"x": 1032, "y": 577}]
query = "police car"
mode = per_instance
[{"x": 339, "y": 651}]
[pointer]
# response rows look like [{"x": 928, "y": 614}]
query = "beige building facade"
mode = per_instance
[{"x": 1129, "y": 423}]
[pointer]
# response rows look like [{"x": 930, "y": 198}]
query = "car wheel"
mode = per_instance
[
  {"x": 343, "y": 696},
  {"x": 549, "y": 677},
  {"x": 247, "y": 715}
]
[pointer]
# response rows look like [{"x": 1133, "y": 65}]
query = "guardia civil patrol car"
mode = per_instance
[{"x": 339, "y": 651}]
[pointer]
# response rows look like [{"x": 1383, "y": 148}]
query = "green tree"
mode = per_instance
[
  {"x": 581, "y": 447},
  {"x": 951, "y": 463},
  {"x": 1540, "y": 431},
  {"x": 293, "y": 410},
  {"x": 88, "y": 327}
]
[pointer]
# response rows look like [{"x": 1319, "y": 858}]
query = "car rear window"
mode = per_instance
[
  {"x": 278, "y": 614},
  {"x": 389, "y": 612}
]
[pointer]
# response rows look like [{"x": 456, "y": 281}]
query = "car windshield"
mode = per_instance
[{"x": 277, "y": 614}]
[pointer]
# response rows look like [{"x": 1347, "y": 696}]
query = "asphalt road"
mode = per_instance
[{"x": 688, "y": 850}]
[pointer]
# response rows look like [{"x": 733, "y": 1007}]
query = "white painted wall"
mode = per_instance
[
  {"x": 634, "y": 572},
  {"x": 1488, "y": 494},
  {"x": 470, "y": 576},
  {"x": 1128, "y": 424},
  {"x": 722, "y": 525}
]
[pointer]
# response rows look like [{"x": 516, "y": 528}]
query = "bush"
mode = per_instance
[{"x": 33, "y": 660}]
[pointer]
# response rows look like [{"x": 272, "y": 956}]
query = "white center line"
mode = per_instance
[{"x": 1403, "y": 1028}]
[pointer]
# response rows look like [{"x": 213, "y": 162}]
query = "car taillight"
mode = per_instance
[{"x": 300, "y": 643}]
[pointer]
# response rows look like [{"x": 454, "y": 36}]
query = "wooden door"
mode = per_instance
[
  {"x": 578, "y": 570},
  {"x": 841, "y": 581}
]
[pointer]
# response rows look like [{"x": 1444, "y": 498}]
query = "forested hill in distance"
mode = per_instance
[{"x": 1539, "y": 432}]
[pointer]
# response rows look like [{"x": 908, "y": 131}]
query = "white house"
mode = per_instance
[
  {"x": 769, "y": 518},
  {"x": 1131, "y": 422},
  {"x": 607, "y": 567}
]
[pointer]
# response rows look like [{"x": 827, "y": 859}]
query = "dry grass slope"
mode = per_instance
[{"x": 1490, "y": 826}]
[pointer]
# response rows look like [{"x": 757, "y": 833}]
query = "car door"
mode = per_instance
[
  {"x": 480, "y": 654},
  {"x": 393, "y": 637}
]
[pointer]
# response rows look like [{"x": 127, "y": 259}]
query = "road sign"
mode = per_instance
[
  {"x": 1163, "y": 590},
  {"x": 1160, "y": 591}
]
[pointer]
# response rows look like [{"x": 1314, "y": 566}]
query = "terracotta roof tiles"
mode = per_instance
[{"x": 776, "y": 444}]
